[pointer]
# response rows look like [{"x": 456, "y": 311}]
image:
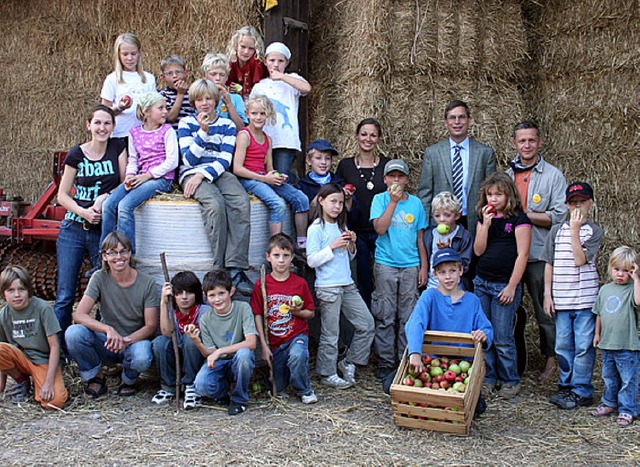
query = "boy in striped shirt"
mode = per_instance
[{"x": 570, "y": 290}]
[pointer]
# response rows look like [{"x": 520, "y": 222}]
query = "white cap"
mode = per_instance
[{"x": 280, "y": 48}]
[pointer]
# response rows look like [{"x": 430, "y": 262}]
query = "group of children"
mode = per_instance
[{"x": 242, "y": 116}]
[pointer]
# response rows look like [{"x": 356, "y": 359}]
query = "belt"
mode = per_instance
[{"x": 87, "y": 226}]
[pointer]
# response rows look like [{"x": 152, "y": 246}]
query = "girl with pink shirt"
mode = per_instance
[
  {"x": 253, "y": 165},
  {"x": 153, "y": 157}
]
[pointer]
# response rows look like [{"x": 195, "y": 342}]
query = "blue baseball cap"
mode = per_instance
[
  {"x": 322, "y": 145},
  {"x": 446, "y": 255}
]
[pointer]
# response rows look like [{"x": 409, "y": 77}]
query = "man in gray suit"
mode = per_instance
[{"x": 458, "y": 164}]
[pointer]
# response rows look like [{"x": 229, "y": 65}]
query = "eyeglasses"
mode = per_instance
[{"x": 114, "y": 254}]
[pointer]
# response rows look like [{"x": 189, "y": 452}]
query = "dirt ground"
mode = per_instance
[{"x": 353, "y": 426}]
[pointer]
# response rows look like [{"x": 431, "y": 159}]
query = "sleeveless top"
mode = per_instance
[{"x": 255, "y": 159}]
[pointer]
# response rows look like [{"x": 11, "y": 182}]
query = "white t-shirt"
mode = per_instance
[
  {"x": 133, "y": 87},
  {"x": 284, "y": 97}
]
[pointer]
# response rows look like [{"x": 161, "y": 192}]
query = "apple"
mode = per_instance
[
  {"x": 256, "y": 387},
  {"x": 426, "y": 359},
  {"x": 443, "y": 229},
  {"x": 435, "y": 362},
  {"x": 408, "y": 381},
  {"x": 454, "y": 362},
  {"x": 418, "y": 383},
  {"x": 455, "y": 368},
  {"x": 464, "y": 366},
  {"x": 444, "y": 365},
  {"x": 413, "y": 371},
  {"x": 427, "y": 385},
  {"x": 459, "y": 379},
  {"x": 276, "y": 173},
  {"x": 296, "y": 300},
  {"x": 466, "y": 380},
  {"x": 350, "y": 188},
  {"x": 238, "y": 88},
  {"x": 444, "y": 384},
  {"x": 463, "y": 375},
  {"x": 444, "y": 360},
  {"x": 457, "y": 385},
  {"x": 439, "y": 379},
  {"x": 491, "y": 209},
  {"x": 436, "y": 371},
  {"x": 435, "y": 386},
  {"x": 449, "y": 375},
  {"x": 425, "y": 377}
]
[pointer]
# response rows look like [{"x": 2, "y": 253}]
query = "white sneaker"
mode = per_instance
[
  {"x": 336, "y": 382},
  {"x": 310, "y": 398},
  {"x": 348, "y": 370},
  {"x": 192, "y": 399},
  {"x": 162, "y": 397}
]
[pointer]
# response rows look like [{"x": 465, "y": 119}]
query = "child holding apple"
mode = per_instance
[
  {"x": 617, "y": 311},
  {"x": 400, "y": 262},
  {"x": 176, "y": 93},
  {"x": 289, "y": 307},
  {"x": 570, "y": 290},
  {"x": 446, "y": 210}
]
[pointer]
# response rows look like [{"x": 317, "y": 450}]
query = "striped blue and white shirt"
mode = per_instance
[{"x": 210, "y": 153}]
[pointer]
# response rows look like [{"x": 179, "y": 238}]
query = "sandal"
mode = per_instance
[
  {"x": 102, "y": 387},
  {"x": 624, "y": 419},
  {"x": 603, "y": 410},
  {"x": 162, "y": 397},
  {"x": 125, "y": 390}
]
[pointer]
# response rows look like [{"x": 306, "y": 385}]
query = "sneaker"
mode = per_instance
[
  {"x": 509, "y": 391},
  {"x": 561, "y": 394},
  {"x": 348, "y": 370},
  {"x": 192, "y": 398},
  {"x": 162, "y": 397},
  {"x": 235, "y": 408},
  {"x": 19, "y": 391},
  {"x": 241, "y": 282},
  {"x": 335, "y": 381},
  {"x": 573, "y": 401},
  {"x": 310, "y": 398},
  {"x": 487, "y": 389}
]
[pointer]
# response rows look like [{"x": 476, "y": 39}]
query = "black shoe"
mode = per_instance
[
  {"x": 222, "y": 401},
  {"x": 383, "y": 371},
  {"x": 481, "y": 407},
  {"x": 573, "y": 401},
  {"x": 557, "y": 396},
  {"x": 235, "y": 408},
  {"x": 241, "y": 282}
]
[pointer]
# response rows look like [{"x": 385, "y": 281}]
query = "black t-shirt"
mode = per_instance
[
  {"x": 94, "y": 178},
  {"x": 348, "y": 171},
  {"x": 498, "y": 260}
]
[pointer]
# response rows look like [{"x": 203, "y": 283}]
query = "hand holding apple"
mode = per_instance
[
  {"x": 125, "y": 102},
  {"x": 415, "y": 363}
]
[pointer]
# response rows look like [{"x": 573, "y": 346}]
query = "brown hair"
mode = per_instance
[
  {"x": 12, "y": 273},
  {"x": 503, "y": 183},
  {"x": 111, "y": 242}
]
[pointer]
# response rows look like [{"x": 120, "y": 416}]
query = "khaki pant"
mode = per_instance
[{"x": 11, "y": 358}]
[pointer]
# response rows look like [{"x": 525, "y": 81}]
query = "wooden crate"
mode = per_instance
[{"x": 404, "y": 399}]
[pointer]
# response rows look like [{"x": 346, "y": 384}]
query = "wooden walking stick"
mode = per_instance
[
  {"x": 174, "y": 335},
  {"x": 265, "y": 325}
]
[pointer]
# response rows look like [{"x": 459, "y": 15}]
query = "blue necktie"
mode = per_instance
[{"x": 456, "y": 172}]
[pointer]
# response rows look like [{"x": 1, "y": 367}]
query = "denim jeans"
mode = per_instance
[
  {"x": 500, "y": 358},
  {"x": 393, "y": 299},
  {"x": 346, "y": 299},
  {"x": 272, "y": 196},
  {"x": 226, "y": 214},
  {"x": 190, "y": 357},
  {"x": 282, "y": 161},
  {"x": 87, "y": 348},
  {"x": 291, "y": 365},
  {"x": 574, "y": 350},
  {"x": 121, "y": 204},
  {"x": 215, "y": 383},
  {"x": 73, "y": 242},
  {"x": 620, "y": 376}
]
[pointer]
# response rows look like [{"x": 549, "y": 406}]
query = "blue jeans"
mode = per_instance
[
  {"x": 620, "y": 375},
  {"x": 501, "y": 357},
  {"x": 190, "y": 356},
  {"x": 87, "y": 348},
  {"x": 574, "y": 350},
  {"x": 282, "y": 161},
  {"x": 214, "y": 383},
  {"x": 73, "y": 242},
  {"x": 121, "y": 204},
  {"x": 291, "y": 365},
  {"x": 272, "y": 196}
]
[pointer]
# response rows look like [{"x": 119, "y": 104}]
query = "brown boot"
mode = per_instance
[{"x": 549, "y": 369}]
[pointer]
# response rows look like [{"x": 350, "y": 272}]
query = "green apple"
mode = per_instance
[
  {"x": 296, "y": 300},
  {"x": 443, "y": 229}
]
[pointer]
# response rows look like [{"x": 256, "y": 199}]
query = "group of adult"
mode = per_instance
[{"x": 541, "y": 187}]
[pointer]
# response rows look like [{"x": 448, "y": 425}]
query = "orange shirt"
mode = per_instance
[{"x": 522, "y": 180}]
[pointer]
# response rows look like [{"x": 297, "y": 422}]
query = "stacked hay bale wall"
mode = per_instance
[
  {"x": 56, "y": 54},
  {"x": 585, "y": 95}
]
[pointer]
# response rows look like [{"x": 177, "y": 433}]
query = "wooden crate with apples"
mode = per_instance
[{"x": 438, "y": 409}]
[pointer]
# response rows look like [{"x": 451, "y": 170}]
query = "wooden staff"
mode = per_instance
[
  {"x": 265, "y": 325},
  {"x": 174, "y": 335}
]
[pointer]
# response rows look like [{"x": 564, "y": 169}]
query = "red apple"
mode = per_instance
[
  {"x": 408, "y": 381},
  {"x": 426, "y": 359},
  {"x": 459, "y": 379},
  {"x": 450, "y": 375},
  {"x": 425, "y": 377},
  {"x": 491, "y": 209},
  {"x": 435, "y": 386},
  {"x": 444, "y": 360},
  {"x": 444, "y": 384},
  {"x": 350, "y": 188},
  {"x": 454, "y": 362},
  {"x": 439, "y": 379}
]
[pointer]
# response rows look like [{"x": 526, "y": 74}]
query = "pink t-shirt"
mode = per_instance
[{"x": 256, "y": 157}]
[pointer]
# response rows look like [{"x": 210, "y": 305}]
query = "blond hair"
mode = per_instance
[
  {"x": 623, "y": 257},
  {"x": 132, "y": 39},
  {"x": 147, "y": 101},
  {"x": 446, "y": 201},
  {"x": 12, "y": 273},
  {"x": 201, "y": 88},
  {"x": 245, "y": 31},
  {"x": 265, "y": 103},
  {"x": 215, "y": 60}
]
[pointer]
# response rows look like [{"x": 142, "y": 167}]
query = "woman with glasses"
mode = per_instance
[
  {"x": 91, "y": 171},
  {"x": 129, "y": 302}
]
